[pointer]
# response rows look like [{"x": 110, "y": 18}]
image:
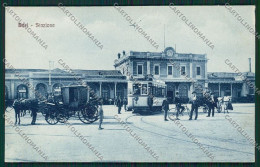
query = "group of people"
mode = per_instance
[{"x": 208, "y": 100}]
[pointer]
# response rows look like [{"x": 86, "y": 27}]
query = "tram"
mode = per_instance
[{"x": 140, "y": 92}]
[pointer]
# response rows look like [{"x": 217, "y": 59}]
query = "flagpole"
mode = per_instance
[{"x": 164, "y": 37}]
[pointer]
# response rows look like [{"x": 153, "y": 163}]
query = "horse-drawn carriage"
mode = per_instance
[{"x": 76, "y": 102}]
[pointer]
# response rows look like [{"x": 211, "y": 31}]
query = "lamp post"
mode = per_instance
[{"x": 51, "y": 64}]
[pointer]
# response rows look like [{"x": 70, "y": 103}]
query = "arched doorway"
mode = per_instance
[
  {"x": 22, "y": 92},
  {"x": 171, "y": 92},
  {"x": 41, "y": 90},
  {"x": 183, "y": 92},
  {"x": 56, "y": 89}
]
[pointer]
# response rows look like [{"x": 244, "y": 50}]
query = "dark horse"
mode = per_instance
[
  {"x": 25, "y": 104},
  {"x": 8, "y": 103}
]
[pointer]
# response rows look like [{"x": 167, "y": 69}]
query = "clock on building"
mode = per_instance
[{"x": 169, "y": 52}]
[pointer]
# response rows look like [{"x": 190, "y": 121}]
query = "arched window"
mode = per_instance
[
  {"x": 56, "y": 89},
  {"x": 41, "y": 91},
  {"x": 22, "y": 92}
]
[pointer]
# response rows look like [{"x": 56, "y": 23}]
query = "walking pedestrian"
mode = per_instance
[
  {"x": 211, "y": 105},
  {"x": 119, "y": 104},
  {"x": 101, "y": 114},
  {"x": 165, "y": 108},
  {"x": 194, "y": 106},
  {"x": 125, "y": 103}
]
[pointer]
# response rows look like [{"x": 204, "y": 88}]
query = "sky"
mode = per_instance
[{"x": 66, "y": 41}]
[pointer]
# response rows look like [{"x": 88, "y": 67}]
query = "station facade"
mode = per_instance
[
  {"x": 171, "y": 67},
  {"x": 107, "y": 84},
  {"x": 180, "y": 71}
]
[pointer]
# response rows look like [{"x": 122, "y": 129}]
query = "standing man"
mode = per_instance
[
  {"x": 211, "y": 105},
  {"x": 165, "y": 108},
  {"x": 119, "y": 104},
  {"x": 150, "y": 102},
  {"x": 100, "y": 113},
  {"x": 178, "y": 105},
  {"x": 194, "y": 106},
  {"x": 125, "y": 103}
]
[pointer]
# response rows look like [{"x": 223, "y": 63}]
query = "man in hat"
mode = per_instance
[
  {"x": 101, "y": 113},
  {"x": 194, "y": 106},
  {"x": 119, "y": 104},
  {"x": 165, "y": 108},
  {"x": 211, "y": 104}
]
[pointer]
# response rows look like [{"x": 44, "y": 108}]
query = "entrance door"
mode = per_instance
[{"x": 170, "y": 96}]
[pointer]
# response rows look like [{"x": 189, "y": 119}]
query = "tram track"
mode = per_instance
[
  {"x": 183, "y": 140},
  {"x": 197, "y": 136}
]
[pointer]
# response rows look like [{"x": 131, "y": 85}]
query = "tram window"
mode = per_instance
[
  {"x": 159, "y": 91},
  {"x": 136, "y": 89},
  {"x": 163, "y": 91},
  {"x": 144, "y": 89}
]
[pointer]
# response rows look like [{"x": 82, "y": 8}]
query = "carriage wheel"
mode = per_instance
[
  {"x": 51, "y": 118},
  {"x": 88, "y": 115},
  {"x": 63, "y": 116}
]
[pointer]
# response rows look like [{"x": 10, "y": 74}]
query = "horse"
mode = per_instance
[
  {"x": 23, "y": 105},
  {"x": 8, "y": 103}
]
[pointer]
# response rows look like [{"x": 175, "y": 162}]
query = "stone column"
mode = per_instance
[
  {"x": 231, "y": 89},
  {"x": 190, "y": 90},
  {"x": 31, "y": 89},
  {"x": 115, "y": 89},
  {"x": 244, "y": 91},
  {"x": 219, "y": 93},
  {"x": 100, "y": 89},
  {"x": 148, "y": 68},
  {"x": 191, "y": 68}
]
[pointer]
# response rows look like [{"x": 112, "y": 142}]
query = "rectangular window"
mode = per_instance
[
  {"x": 183, "y": 70},
  {"x": 198, "y": 70},
  {"x": 144, "y": 89},
  {"x": 156, "y": 70},
  {"x": 169, "y": 70},
  {"x": 136, "y": 89},
  {"x": 140, "y": 69}
]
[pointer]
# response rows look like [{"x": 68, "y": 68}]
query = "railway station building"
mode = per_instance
[
  {"x": 107, "y": 84},
  {"x": 180, "y": 72},
  {"x": 171, "y": 67}
]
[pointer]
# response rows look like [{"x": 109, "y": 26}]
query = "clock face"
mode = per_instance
[{"x": 169, "y": 52}]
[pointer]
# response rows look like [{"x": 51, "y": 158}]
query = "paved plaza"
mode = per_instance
[{"x": 115, "y": 143}]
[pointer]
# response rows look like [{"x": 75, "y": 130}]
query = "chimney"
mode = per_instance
[
  {"x": 123, "y": 53},
  {"x": 249, "y": 59},
  {"x": 118, "y": 55}
]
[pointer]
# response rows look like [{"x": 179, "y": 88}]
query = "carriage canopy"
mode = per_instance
[{"x": 79, "y": 94}]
